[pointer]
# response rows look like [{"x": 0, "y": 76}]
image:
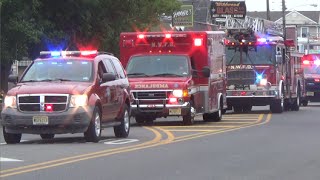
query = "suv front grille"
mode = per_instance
[{"x": 36, "y": 103}]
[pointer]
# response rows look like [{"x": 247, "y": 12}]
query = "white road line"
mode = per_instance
[
  {"x": 121, "y": 141},
  {"x": 2, "y": 159}
]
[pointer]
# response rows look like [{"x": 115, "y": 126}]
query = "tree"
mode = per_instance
[{"x": 30, "y": 26}]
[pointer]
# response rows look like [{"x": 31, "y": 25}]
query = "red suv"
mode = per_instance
[{"x": 68, "y": 92}]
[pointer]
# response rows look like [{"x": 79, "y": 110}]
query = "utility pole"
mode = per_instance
[
  {"x": 268, "y": 10},
  {"x": 0, "y": 51},
  {"x": 284, "y": 19}
]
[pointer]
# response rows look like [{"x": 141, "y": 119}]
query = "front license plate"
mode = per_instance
[
  {"x": 40, "y": 120},
  {"x": 175, "y": 111},
  {"x": 310, "y": 93}
]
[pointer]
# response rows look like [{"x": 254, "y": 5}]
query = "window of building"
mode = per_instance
[{"x": 304, "y": 31}]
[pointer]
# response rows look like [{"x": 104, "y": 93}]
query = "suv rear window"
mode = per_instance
[{"x": 60, "y": 69}]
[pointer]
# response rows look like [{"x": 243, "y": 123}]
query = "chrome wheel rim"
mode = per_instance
[
  {"x": 126, "y": 120},
  {"x": 97, "y": 124}
]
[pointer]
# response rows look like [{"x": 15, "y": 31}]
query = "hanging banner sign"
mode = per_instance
[
  {"x": 222, "y": 9},
  {"x": 184, "y": 17}
]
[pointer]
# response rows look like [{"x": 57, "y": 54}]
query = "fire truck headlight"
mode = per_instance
[
  {"x": 263, "y": 82},
  {"x": 78, "y": 100},
  {"x": 10, "y": 101},
  {"x": 317, "y": 62},
  {"x": 180, "y": 93}
]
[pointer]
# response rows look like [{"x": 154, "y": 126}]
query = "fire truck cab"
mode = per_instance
[
  {"x": 175, "y": 74},
  {"x": 260, "y": 71}
]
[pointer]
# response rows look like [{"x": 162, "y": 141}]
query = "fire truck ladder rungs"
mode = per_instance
[{"x": 257, "y": 25}]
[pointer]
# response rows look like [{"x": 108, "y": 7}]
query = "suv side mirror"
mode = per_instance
[
  {"x": 106, "y": 77},
  {"x": 206, "y": 71},
  {"x": 13, "y": 79}
]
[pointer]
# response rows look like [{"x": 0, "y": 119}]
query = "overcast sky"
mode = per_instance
[{"x": 276, "y": 5}]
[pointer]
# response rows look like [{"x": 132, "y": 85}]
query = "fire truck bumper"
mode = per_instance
[
  {"x": 161, "y": 110},
  {"x": 253, "y": 98}
]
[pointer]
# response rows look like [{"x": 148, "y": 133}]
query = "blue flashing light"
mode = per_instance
[
  {"x": 259, "y": 76},
  {"x": 262, "y": 40},
  {"x": 55, "y": 53}
]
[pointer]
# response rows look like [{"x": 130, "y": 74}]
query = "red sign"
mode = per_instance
[{"x": 221, "y": 9}]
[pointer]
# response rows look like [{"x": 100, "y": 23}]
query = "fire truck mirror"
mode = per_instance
[
  {"x": 206, "y": 71},
  {"x": 13, "y": 79},
  {"x": 279, "y": 59}
]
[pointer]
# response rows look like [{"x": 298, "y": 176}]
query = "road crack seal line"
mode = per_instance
[{"x": 38, "y": 166}]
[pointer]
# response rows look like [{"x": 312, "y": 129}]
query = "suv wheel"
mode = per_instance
[
  {"x": 93, "y": 132},
  {"x": 122, "y": 131},
  {"x": 47, "y": 136},
  {"x": 11, "y": 138}
]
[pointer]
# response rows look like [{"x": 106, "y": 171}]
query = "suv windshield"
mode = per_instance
[
  {"x": 162, "y": 65},
  {"x": 250, "y": 55},
  {"x": 59, "y": 69}
]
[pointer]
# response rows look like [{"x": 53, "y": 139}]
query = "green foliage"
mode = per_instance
[{"x": 29, "y": 26}]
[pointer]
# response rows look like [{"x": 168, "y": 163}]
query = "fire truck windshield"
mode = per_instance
[
  {"x": 59, "y": 70},
  {"x": 158, "y": 65},
  {"x": 250, "y": 55}
]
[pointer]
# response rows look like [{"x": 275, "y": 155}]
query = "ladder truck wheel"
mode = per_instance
[
  {"x": 305, "y": 103},
  {"x": 296, "y": 102},
  {"x": 277, "y": 105}
]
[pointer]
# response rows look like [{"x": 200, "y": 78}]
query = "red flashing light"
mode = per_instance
[
  {"x": 317, "y": 80},
  {"x": 140, "y": 36},
  {"x": 198, "y": 42},
  {"x": 243, "y": 93},
  {"x": 88, "y": 53},
  {"x": 168, "y": 36},
  {"x": 306, "y": 62},
  {"x": 49, "y": 107},
  {"x": 173, "y": 100}
]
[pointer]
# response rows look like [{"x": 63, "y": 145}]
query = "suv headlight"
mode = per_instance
[
  {"x": 10, "y": 101},
  {"x": 78, "y": 100}
]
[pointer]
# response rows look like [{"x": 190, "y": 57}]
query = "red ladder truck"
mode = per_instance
[{"x": 259, "y": 69}]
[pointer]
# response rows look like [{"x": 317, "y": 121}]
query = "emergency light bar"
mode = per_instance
[
  {"x": 142, "y": 36},
  {"x": 308, "y": 62},
  {"x": 56, "y": 54}
]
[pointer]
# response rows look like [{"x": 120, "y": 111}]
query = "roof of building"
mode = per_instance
[{"x": 275, "y": 15}]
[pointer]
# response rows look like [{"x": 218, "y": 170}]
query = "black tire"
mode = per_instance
[
  {"x": 305, "y": 103},
  {"x": 11, "y": 138},
  {"x": 217, "y": 116},
  {"x": 93, "y": 133},
  {"x": 237, "y": 109},
  {"x": 140, "y": 119},
  {"x": 47, "y": 136},
  {"x": 208, "y": 117},
  {"x": 296, "y": 103},
  {"x": 278, "y": 105},
  {"x": 122, "y": 130},
  {"x": 188, "y": 119}
]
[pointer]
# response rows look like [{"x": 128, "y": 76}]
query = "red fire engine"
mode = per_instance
[
  {"x": 175, "y": 74},
  {"x": 259, "y": 69}
]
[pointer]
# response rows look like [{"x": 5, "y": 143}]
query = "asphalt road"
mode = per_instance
[{"x": 255, "y": 146}]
